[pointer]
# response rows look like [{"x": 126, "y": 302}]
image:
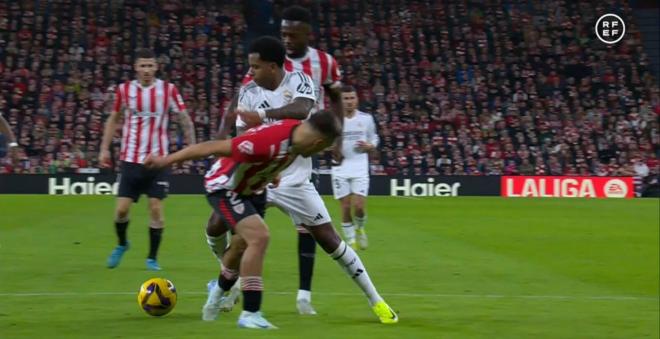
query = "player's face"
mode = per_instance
[
  {"x": 262, "y": 72},
  {"x": 295, "y": 36},
  {"x": 350, "y": 101},
  {"x": 146, "y": 70}
]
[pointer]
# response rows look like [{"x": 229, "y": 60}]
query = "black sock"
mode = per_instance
[
  {"x": 121, "y": 227},
  {"x": 227, "y": 279},
  {"x": 155, "y": 235},
  {"x": 306, "y": 252},
  {"x": 252, "y": 300}
]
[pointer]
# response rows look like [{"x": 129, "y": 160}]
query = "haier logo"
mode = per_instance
[
  {"x": 427, "y": 189},
  {"x": 89, "y": 187}
]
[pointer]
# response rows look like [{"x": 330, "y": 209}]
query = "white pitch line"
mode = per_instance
[{"x": 410, "y": 295}]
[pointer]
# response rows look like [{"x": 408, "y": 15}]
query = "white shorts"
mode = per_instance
[
  {"x": 302, "y": 202},
  {"x": 342, "y": 186}
]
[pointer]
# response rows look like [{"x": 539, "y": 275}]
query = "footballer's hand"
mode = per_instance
[
  {"x": 155, "y": 161},
  {"x": 104, "y": 158},
  {"x": 250, "y": 118},
  {"x": 363, "y": 146},
  {"x": 275, "y": 182}
]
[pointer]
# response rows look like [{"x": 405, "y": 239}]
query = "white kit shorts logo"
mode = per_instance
[
  {"x": 615, "y": 188},
  {"x": 610, "y": 28}
]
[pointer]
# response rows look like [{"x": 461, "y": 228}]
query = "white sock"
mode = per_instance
[
  {"x": 352, "y": 265},
  {"x": 349, "y": 230},
  {"x": 217, "y": 245},
  {"x": 304, "y": 295},
  {"x": 359, "y": 222}
]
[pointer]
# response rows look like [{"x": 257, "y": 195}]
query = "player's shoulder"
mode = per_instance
[
  {"x": 321, "y": 53},
  {"x": 250, "y": 87},
  {"x": 296, "y": 77},
  {"x": 364, "y": 115}
]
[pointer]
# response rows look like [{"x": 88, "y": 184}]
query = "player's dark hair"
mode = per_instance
[
  {"x": 269, "y": 49},
  {"x": 347, "y": 88},
  {"x": 326, "y": 123},
  {"x": 144, "y": 53},
  {"x": 297, "y": 13}
]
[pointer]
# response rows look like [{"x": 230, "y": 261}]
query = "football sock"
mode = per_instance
[
  {"x": 304, "y": 295},
  {"x": 217, "y": 244},
  {"x": 349, "y": 230},
  {"x": 227, "y": 278},
  {"x": 252, "y": 289},
  {"x": 155, "y": 235},
  {"x": 306, "y": 252},
  {"x": 359, "y": 221},
  {"x": 352, "y": 265},
  {"x": 120, "y": 227}
]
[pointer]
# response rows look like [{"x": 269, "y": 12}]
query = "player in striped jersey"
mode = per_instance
[
  {"x": 246, "y": 165},
  {"x": 322, "y": 68},
  {"x": 145, "y": 105},
  {"x": 295, "y": 194},
  {"x": 12, "y": 145}
]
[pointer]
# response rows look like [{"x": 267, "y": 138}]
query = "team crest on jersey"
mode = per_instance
[
  {"x": 287, "y": 95},
  {"x": 239, "y": 208},
  {"x": 246, "y": 147}
]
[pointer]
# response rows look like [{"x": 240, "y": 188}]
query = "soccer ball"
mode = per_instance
[{"x": 157, "y": 296}]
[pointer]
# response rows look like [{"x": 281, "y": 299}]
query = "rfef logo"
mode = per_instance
[{"x": 610, "y": 28}]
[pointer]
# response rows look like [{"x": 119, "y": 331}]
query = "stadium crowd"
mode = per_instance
[{"x": 455, "y": 88}]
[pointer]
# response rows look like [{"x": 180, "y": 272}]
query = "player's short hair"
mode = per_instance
[
  {"x": 269, "y": 49},
  {"x": 144, "y": 53},
  {"x": 297, "y": 13},
  {"x": 347, "y": 88},
  {"x": 326, "y": 123}
]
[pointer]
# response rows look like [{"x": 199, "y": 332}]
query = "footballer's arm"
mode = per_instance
[
  {"x": 337, "y": 107},
  {"x": 221, "y": 148},
  {"x": 298, "y": 109},
  {"x": 108, "y": 133},
  {"x": 187, "y": 126},
  {"x": 228, "y": 120}
]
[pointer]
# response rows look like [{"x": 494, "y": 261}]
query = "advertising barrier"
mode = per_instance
[
  {"x": 567, "y": 187},
  {"x": 99, "y": 184},
  {"x": 437, "y": 186}
]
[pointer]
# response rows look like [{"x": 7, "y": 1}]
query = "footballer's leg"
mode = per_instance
[
  {"x": 350, "y": 262},
  {"x": 156, "y": 227},
  {"x": 341, "y": 191},
  {"x": 359, "y": 192},
  {"x": 291, "y": 200},
  {"x": 121, "y": 224}
]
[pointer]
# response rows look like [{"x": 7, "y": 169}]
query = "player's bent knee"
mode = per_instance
[{"x": 326, "y": 237}]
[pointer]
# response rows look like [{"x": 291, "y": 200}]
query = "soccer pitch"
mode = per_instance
[{"x": 453, "y": 267}]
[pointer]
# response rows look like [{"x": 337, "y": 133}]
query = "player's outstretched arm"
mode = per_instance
[
  {"x": 196, "y": 151},
  {"x": 228, "y": 120},
  {"x": 187, "y": 126},
  {"x": 108, "y": 132},
  {"x": 337, "y": 107}
]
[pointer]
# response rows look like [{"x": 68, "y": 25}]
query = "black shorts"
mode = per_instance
[
  {"x": 135, "y": 179},
  {"x": 232, "y": 208}
]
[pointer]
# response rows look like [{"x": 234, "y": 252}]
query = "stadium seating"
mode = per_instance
[{"x": 455, "y": 89}]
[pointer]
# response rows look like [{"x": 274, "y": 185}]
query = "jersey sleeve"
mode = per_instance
[
  {"x": 372, "y": 135},
  {"x": 252, "y": 147},
  {"x": 244, "y": 104},
  {"x": 176, "y": 104},
  {"x": 116, "y": 106},
  {"x": 334, "y": 75},
  {"x": 302, "y": 86}
]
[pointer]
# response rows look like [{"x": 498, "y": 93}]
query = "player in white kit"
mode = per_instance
[
  {"x": 275, "y": 94},
  {"x": 323, "y": 69},
  {"x": 350, "y": 179}
]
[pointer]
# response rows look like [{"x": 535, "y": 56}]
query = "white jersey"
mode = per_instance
[
  {"x": 294, "y": 85},
  {"x": 361, "y": 127},
  {"x": 146, "y": 116}
]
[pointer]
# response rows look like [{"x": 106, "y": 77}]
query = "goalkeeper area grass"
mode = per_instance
[{"x": 467, "y": 267}]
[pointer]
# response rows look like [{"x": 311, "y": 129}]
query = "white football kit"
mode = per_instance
[
  {"x": 295, "y": 195},
  {"x": 352, "y": 176}
]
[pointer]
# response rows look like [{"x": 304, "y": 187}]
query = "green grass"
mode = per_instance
[{"x": 453, "y": 267}]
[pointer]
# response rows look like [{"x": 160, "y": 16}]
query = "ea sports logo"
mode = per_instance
[
  {"x": 610, "y": 28},
  {"x": 615, "y": 188}
]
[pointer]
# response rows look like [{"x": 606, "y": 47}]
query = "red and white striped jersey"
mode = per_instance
[
  {"x": 318, "y": 65},
  {"x": 257, "y": 157},
  {"x": 146, "y": 117}
]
